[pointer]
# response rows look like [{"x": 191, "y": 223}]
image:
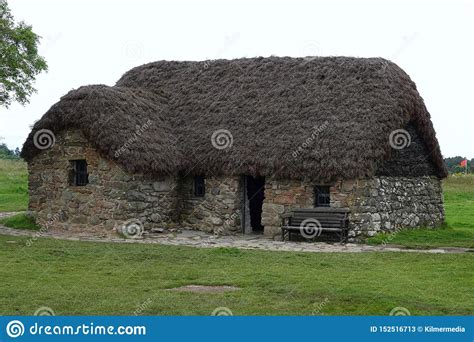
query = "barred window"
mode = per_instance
[
  {"x": 79, "y": 175},
  {"x": 321, "y": 196}
]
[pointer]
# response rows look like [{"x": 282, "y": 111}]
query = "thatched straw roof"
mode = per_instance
[{"x": 321, "y": 118}]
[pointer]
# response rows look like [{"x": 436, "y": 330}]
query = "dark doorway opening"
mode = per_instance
[{"x": 255, "y": 196}]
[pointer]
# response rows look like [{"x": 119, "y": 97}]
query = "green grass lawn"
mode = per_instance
[
  {"x": 459, "y": 227},
  {"x": 105, "y": 278},
  {"x": 85, "y": 278},
  {"x": 20, "y": 221},
  {"x": 13, "y": 185}
]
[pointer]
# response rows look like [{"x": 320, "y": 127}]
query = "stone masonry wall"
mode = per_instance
[
  {"x": 281, "y": 196},
  {"x": 111, "y": 198},
  {"x": 114, "y": 197},
  {"x": 390, "y": 203},
  {"x": 218, "y": 211},
  {"x": 377, "y": 204}
]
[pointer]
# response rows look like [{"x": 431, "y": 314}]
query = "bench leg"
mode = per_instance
[
  {"x": 343, "y": 236},
  {"x": 285, "y": 234}
]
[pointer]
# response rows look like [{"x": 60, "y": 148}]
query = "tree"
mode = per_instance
[
  {"x": 6, "y": 153},
  {"x": 19, "y": 59},
  {"x": 453, "y": 164},
  {"x": 457, "y": 169}
]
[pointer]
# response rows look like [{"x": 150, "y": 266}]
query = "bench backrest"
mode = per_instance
[{"x": 327, "y": 217}]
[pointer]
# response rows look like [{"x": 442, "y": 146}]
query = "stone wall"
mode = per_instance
[
  {"x": 390, "y": 203},
  {"x": 111, "y": 198},
  {"x": 281, "y": 196},
  {"x": 377, "y": 204},
  {"x": 218, "y": 211}
]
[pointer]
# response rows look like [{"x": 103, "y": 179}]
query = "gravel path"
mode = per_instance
[{"x": 194, "y": 238}]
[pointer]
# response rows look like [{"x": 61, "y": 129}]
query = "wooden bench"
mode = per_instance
[{"x": 310, "y": 223}]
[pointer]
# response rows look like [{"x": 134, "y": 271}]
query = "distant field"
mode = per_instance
[{"x": 13, "y": 185}]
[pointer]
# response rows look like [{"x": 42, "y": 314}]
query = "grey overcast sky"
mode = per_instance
[{"x": 95, "y": 42}]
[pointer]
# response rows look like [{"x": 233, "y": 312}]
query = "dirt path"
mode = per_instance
[{"x": 194, "y": 238}]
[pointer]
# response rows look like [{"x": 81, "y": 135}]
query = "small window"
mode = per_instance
[
  {"x": 79, "y": 175},
  {"x": 199, "y": 186},
  {"x": 321, "y": 195}
]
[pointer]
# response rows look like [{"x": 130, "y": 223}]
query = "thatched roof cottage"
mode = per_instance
[{"x": 230, "y": 146}]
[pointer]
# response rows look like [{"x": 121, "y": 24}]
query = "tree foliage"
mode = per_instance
[
  {"x": 453, "y": 164},
  {"x": 19, "y": 59},
  {"x": 6, "y": 153}
]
